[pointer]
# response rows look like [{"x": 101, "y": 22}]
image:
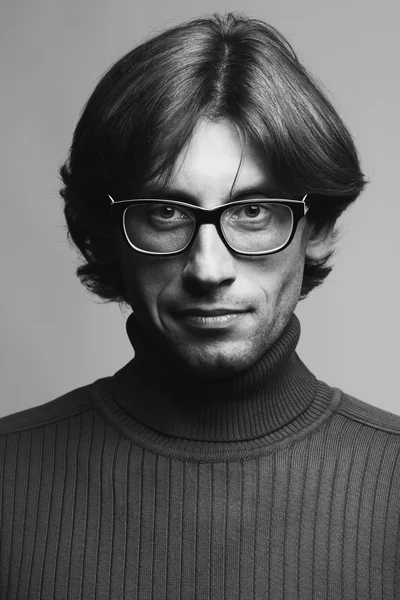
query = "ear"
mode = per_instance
[{"x": 320, "y": 242}]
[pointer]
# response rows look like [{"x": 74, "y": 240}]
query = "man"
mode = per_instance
[{"x": 204, "y": 181}]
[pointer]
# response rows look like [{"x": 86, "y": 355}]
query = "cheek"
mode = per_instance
[
  {"x": 291, "y": 282},
  {"x": 281, "y": 270},
  {"x": 280, "y": 279},
  {"x": 146, "y": 278}
]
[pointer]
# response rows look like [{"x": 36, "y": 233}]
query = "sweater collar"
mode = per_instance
[{"x": 263, "y": 399}]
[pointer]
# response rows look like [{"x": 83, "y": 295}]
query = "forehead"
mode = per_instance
[{"x": 216, "y": 164}]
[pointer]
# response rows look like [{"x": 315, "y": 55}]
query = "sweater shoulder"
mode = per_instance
[
  {"x": 369, "y": 415},
  {"x": 68, "y": 405}
]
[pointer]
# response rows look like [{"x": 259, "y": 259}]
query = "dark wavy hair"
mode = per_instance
[{"x": 144, "y": 110}]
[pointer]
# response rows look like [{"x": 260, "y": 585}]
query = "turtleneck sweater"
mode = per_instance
[{"x": 154, "y": 484}]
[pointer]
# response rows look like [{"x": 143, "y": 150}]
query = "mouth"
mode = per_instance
[{"x": 209, "y": 318}]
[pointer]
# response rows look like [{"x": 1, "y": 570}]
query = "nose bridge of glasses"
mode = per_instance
[
  {"x": 206, "y": 216},
  {"x": 202, "y": 236},
  {"x": 205, "y": 238},
  {"x": 208, "y": 239}
]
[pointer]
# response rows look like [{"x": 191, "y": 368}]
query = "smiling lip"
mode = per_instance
[
  {"x": 208, "y": 312},
  {"x": 215, "y": 317}
]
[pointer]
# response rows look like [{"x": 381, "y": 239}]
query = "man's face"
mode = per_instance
[{"x": 211, "y": 311}]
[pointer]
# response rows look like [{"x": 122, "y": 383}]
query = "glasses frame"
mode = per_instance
[{"x": 209, "y": 216}]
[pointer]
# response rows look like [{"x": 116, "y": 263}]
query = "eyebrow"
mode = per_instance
[{"x": 170, "y": 193}]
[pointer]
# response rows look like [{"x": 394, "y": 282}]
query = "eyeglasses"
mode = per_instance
[{"x": 251, "y": 227}]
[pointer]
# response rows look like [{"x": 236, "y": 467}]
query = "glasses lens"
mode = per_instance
[
  {"x": 258, "y": 227},
  {"x": 158, "y": 227}
]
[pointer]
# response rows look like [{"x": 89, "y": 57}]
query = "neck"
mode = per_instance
[{"x": 264, "y": 398}]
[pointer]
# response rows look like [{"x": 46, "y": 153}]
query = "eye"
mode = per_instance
[
  {"x": 165, "y": 217},
  {"x": 250, "y": 212},
  {"x": 167, "y": 212}
]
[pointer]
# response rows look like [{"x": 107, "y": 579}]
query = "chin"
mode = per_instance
[{"x": 217, "y": 362}]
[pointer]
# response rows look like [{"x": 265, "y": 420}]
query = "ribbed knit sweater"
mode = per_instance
[{"x": 152, "y": 484}]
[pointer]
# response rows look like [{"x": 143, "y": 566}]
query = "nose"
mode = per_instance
[{"x": 210, "y": 264}]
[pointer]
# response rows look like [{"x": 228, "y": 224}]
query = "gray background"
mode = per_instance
[{"x": 55, "y": 337}]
